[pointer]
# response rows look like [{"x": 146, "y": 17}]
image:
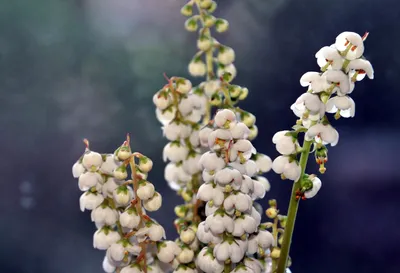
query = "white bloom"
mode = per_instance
[
  {"x": 224, "y": 117},
  {"x": 308, "y": 105},
  {"x": 90, "y": 201},
  {"x": 207, "y": 263},
  {"x": 103, "y": 238},
  {"x": 161, "y": 100},
  {"x": 145, "y": 164},
  {"x": 175, "y": 176},
  {"x": 316, "y": 82},
  {"x": 110, "y": 164},
  {"x": 211, "y": 162},
  {"x": 92, "y": 161},
  {"x": 345, "y": 105},
  {"x": 183, "y": 86},
  {"x": 166, "y": 116},
  {"x": 175, "y": 152},
  {"x": 244, "y": 224},
  {"x": 285, "y": 144},
  {"x": 131, "y": 269},
  {"x": 259, "y": 190},
  {"x": 226, "y": 55},
  {"x": 218, "y": 223},
  {"x": 191, "y": 164},
  {"x": 197, "y": 68},
  {"x": 167, "y": 251},
  {"x": 186, "y": 256},
  {"x": 204, "y": 135},
  {"x": 186, "y": 106},
  {"x": 219, "y": 139},
  {"x": 315, "y": 188},
  {"x": 352, "y": 39},
  {"x": 207, "y": 192},
  {"x": 241, "y": 202},
  {"x": 206, "y": 236},
  {"x": 88, "y": 180},
  {"x": 253, "y": 264},
  {"x": 326, "y": 133},
  {"x": 291, "y": 170},
  {"x": 225, "y": 250},
  {"x": 228, "y": 175},
  {"x": 230, "y": 68},
  {"x": 107, "y": 266},
  {"x": 363, "y": 67},
  {"x": 109, "y": 187},
  {"x": 123, "y": 195},
  {"x": 211, "y": 87},
  {"x": 264, "y": 181},
  {"x": 247, "y": 185},
  {"x": 129, "y": 218},
  {"x": 155, "y": 232},
  {"x": 116, "y": 252},
  {"x": 329, "y": 57},
  {"x": 204, "y": 43},
  {"x": 187, "y": 236},
  {"x": 339, "y": 78},
  {"x": 145, "y": 191},
  {"x": 241, "y": 149},
  {"x": 174, "y": 131},
  {"x": 265, "y": 239},
  {"x": 154, "y": 203},
  {"x": 120, "y": 173},
  {"x": 240, "y": 131},
  {"x": 77, "y": 169},
  {"x": 264, "y": 163},
  {"x": 104, "y": 215}
]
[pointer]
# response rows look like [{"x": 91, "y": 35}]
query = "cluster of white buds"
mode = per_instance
[
  {"x": 181, "y": 108},
  {"x": 118, "y": 208},
  {"x": 342, "y": 64},
  {"x": 231, "y": 227}
]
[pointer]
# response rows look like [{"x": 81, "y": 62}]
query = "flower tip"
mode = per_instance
[
  {"x": 86, "y": 142},
  {"x": 365, "y": 36}
]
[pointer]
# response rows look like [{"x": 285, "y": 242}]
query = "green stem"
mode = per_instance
[
  {"x": 292, "y": 211},
  {"x": 227, "y": 268}
]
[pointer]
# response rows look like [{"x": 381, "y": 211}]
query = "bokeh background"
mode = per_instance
[{"x": 71, "y": 69}]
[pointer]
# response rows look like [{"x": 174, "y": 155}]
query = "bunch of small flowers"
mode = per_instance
[
  {"x": 132, "y": 240},
  {"x": 180, "y": 108},
  {"x": 231, "y": 227},
  {"x": 342, "y": 64}
]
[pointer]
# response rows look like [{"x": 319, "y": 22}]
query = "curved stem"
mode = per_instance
[{"x": 292, "y": 211}]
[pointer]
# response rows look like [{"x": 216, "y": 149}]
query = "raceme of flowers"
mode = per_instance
[{"x": 132, "y": 240}]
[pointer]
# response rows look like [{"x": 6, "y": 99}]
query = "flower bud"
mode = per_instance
[
  {"x": 145, "y": 191},
  {"x": 92, "y": 161},
  {"x": 186, "y": 256},
  {"x": 197, "y": 68},
  {"x": 123, "y": 152},
  {"x": 209, "y": 20},
  {"x": 253, "y": 132},
  {"x": 122, "y": 195},
  {"x": 221, "y": 25},
  {"x": 204, "y": 43},
  {"x": 183, "y": 86},
  {"x": 187, "y": 236},
  {"x": 205, "y": 4},
  {"x": 120, "y": 173},
  {"x": 187, "y": 10},
  {"x": 271, "y": 213},
  {"x": 153, "y": 203},
  {"x": 191, "y": 24},
  {"x": 145, "y": 164},
  {"x": 226, "y": 55}
]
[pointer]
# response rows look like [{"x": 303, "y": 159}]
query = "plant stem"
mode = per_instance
[
  {"x": 227, "y": 268},
  {"x": 292, "y": 211}
]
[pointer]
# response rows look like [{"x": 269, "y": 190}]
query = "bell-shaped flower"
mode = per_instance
[
  {"x": 244, "y": 224},
  {"x": 258, "y": 191},
  {"x": 328, "y": 57},
  {"x": 226, "y": 55},
  {"x": 315, "y": 82},
  {"x": 264, "y": 163},
  {"x": 123, "y": 195},
  {"x": 110, "y": 164},
  {"x": 174, "y": 131},
  {"x": 176, "y": 176},
  {"x": 211, "y": 87},
  {"x": 344, "y": 105},
  {"x": 225, "y": 118},
  {"x": 109, "y": 186},
  {"x": 77, "y": 169},
  {"x": 154, "y": 203},
  {"x": 162, "y": 100},
  {"x": 104, "y": 216},
  {"x": 264, "y": 181},
  {"x": 230, "y": 68},
  {"x": 229, "y": 250},
  {"x": 227, "y": 176},
  {"x": 219, "y": 222},
  {"x": 241, "y": 202},
  {"x": 197, "y": 68},
  {"x": 208, "y": 192},
  {"x": 242, "y": 150},
  {"x": 265, "y": 239},
  {"x": 211, "y": 162},
  {"x": 325, "y": 133},
  {"x": 290, "y": 170},
  {"x": 183, "y": 86},
  {"x": 340, "y": 79},
  {"x": 191, "y": 164},
  {"x": 247, "y": 185},
  {"x": 186, "y": 106},
  {"x": 90, "y": 200},
  {"x": 316, "y": 186},
  {"x": 175, "y": 152},
  {"x": 253, "y": 264},
  {"x": 88, "y": 180},
  {"x": 206, "y": 236},
  {"x": 145, "y": 190},
  {"x": 104, "y": 238},
  {"x": 107, "y": 266},
  {"x": 154, "y": 232},
  {"x": 240, "y": 131},
  {"x": 129, "y": 218},
  {"x": 204, "y": 134},
  {"x": 166, "y": 116},
  {"x": 92, "y": 161},
  {"x": 219, "y": 139},
  {"x": 207, "y": 263},
  {"x": 284, "y": 142},
  {"x": 362, "y": 67},
  {"x": 185, "y": 256},
  {"x": 354, "y": 41},
  {"x": 308, "y": 106},
  {"x": 167, "y": 251}
]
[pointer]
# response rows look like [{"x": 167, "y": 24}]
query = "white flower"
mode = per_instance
[
  {"x": 228, "y": 175},
  {"x": 107, "y": 266},
  {"x": 129, "y": 218},
  {"x": 167, "y": 251},
  {"x": 264, "y": 181},
  {"x": 197, "y": 68},
  {"x": 123, "y": 195},
  {"x": 291, "y": 170},
  {"x": 259, "y": 190},
  {"x": 166, "y": 116},
  {"x": 265, "y": 239},
  {"x": 104, "y": 237},
  {"x": 175, "y": 176},
  {"x": 326, "y": 133},
  {"x": 206, "y": 236},
  {"x": 253, "y": 264},
  {"x": 104, "y": 215},
  {"x": 285, "y": 144},
  {"x": 219, "y": 139},
  {"x": 211, "y": 87},
  {"x": 90, "y": 201},
  {"x": 345, "y": 105},
  {"x": 186, "y": 106},
  {"x": 211, "y": 162},
  {"x": 161, "y": 100},
  {"x": 242, "y": 149},
  {"x": 154, "y": 203},
  {"x": 248, "y": 168},
  {"x": 226, "y": 250},
  {"x": 116, "y": 252},
  {"x": 264, "y": 163},
  {"x": 226, "y": 55},
  {"x": 363, "y": 67},
  {"x": 120, "y": 173},
  {"x": 316, "y": 82},
  {"x": 207, "y": 192},
  {"x": 183, "y": 86},
  {"x": 247, "y": 184},
  {"x": 204, "y": 135},
  {"x": 174, "y": 131},
  {"x": 218, "y": 223},
  {"x": 352, "y": 39},
  {"x": 241, "y": 202},
  {"x": 175, "y": 152},
  {"x": 145, "y": 164},
  {"x": 315, "y": 188},
  {"x": 186, "y": 256},
  {"x": 109, "y": 187},
  {"x": 230, "y": 68},
  {"x": 244, "y": 224},
  {"x": 191, "y": 164},
  {"x": 329, "y": 57},
  {"x": 131, "y": 269},
  {"x": 339, "y": 78},
  {"x": 92, "y": 161},
  {"x": 204, "y": 43},
  {"x": 77, "y": 169},
  {"x": 110, "y": 164},
  {"x": 154, "y": 232},
  {"x": 240, "y": 131},
  {"x": 224, "y": 118},
  {"x": 187, "y": 235},
  {"x": 88, "y": 180},
  {"x": 207, "y": 263},
  {"x": 145, "y": 191},
  {"x": 308, "y": 105}
]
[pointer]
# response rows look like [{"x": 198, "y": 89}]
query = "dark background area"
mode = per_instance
[{"x": 75, "y": 69}]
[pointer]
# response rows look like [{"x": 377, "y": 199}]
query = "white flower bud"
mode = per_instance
[
  {"x": 211, "y": 87},
  {"x": 145, "y": 164},
  {"x": 155, "y": 232},
  {"x": 285, "y": 144},
  {"x": 120, "y": 173},
  {"x": 122, "y": 195},
  {"x": 175, "y": 152},
  {"x": 77, "y": 169},
  {"x": 264, "y": 163},
  {"x": 224, "y": 117},
  {"x": 221, "y": 25},
  {"x": 187, "y": 236},
  {"x": 226, "y": 55},
  {"x": 174, "y": 131},
  {"x": 316, "y": 186},
  {"x": 204, "y": 43},
  {"x": 265, "y": 239},
  {"x": 183, "y": 86},
  {"x": 231, "y": 69},
  {"x": 264, "y": 181},
  {"x": 107, "y": 266},
  {"x": 88, "y": 180},
  {"x": 191, "y": 164},
  {"x": 129, "y": 218},
  {"x": 204, "y": 135},
  {"x": 161, "y": 100},
  {"x": 186, "y": 256},
  {"x": 167, "y": 251},
  {"x": 218, "y": 224},
  {"x": 328, "y": 57},
  {"x": 131, "y": 269},
  {"x": 240, "y": 131},
  {"x": 197, "y": 68},
  {"x": 165, "y": 117},
  {"x": 104, "y": 216},
  {"x": 90, "y": 201},
  {"x": 291, "y": 170},
  {"x": 109, "y": 165},
  {"x": 211, "y": 162},
  {"x": 104, "y": 237},
  {"x": 145, "y": 191},
  {"x": 92, "y": 161},
  {"x": 154, "y": 203}
]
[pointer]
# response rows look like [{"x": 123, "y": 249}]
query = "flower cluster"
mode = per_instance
[
  {"x": 231, "y": 227},
  {"x": 133, "y": 241},
  {"x": 342, "y": 64}
]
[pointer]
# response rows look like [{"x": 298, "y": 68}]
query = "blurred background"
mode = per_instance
[{"x": 71, "y": 69}]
